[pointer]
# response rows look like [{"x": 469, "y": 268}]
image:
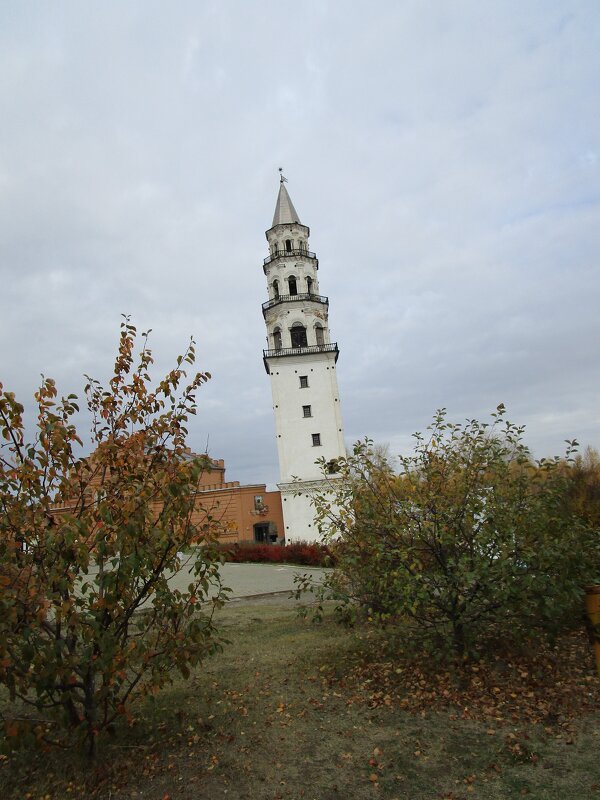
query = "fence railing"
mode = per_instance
[
  {"x": 329, "y": 347},
  {"x": 289, "y": 254},
  {"x": 290, "y": 298}
]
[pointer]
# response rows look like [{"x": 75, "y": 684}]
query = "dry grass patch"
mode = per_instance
[{"x": 286, "y": 711}]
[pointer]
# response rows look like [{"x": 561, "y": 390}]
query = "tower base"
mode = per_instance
[{"x": 298, "y": 510}]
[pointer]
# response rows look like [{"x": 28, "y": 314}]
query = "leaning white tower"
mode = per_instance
[{"x": 301, "y": 361}]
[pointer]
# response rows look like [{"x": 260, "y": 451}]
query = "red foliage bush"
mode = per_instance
[{"x": 303, "y": 553}]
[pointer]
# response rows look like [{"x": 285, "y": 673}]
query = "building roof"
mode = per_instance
[{"x": 285, "y": 213}]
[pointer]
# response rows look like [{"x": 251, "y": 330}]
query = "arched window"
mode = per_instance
[
  {"x": 276, "y": 289},
  {"x": 288, "y": 246},
  {"x": 293, "y": 287},
  {"x": 298, "y": 333},
  {"x": 302, "y": 246},
  {"x": 319, "y": 334},
  {"x": 309, "y": 283},
  {"x": 277, "y": 339}
]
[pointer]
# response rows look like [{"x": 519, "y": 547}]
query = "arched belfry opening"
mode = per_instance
[
  {"x": 298, "y": 334},
  {"x": 319, "y": 334},
  {"x": 292, "y": 285},
  {"x": 277, "y": 339},
  {"x": 276, "y": 289}
]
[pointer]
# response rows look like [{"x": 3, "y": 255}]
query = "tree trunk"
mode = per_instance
[
  {"x": 90, "y": 714},
  {"x": 458, "y": 639}
]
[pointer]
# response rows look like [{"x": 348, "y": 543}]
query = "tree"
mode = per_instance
[
  {"x": 469, "y": 539},
  {"x": 584, "y": 487},
  {"x": 88, "y": 618}
]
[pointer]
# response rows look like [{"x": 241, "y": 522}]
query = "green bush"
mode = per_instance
[{"x": 469, "y": 539}]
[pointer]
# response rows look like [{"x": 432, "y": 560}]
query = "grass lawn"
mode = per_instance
[{"x": 287, "y": 711}]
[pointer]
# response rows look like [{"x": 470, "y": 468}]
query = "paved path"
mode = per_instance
[
  {"x": 246, "y": 580},
  {"x": 250, "y": 580},
  {"x": 263, "y": 582}
]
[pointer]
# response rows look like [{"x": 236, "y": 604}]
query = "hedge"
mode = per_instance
[{"x": 311, "y": 555}]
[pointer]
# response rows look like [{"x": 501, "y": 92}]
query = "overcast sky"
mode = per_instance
[{"x": 444, "y": 154}]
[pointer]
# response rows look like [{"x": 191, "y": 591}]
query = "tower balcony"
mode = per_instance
[
  {"x": 328, "y": 347},
  {"x": 290, "y": 298},
  {"x": 291, "y": 254}
]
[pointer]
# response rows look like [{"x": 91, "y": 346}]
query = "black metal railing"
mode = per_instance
[
  {"x": 289, "y": 298},
  {"x": 289, "y": 254},
  {"x": 329, "y": 347}
]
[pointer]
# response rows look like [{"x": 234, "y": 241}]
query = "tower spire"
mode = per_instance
[{"x": 285, "y": 213}]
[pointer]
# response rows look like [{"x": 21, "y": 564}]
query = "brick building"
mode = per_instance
[{"x": 246, "y": 513}]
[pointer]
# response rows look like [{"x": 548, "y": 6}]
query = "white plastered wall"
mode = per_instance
[
  {"x": 294, "y": 431},
  {"x": 299, "y": 512}
]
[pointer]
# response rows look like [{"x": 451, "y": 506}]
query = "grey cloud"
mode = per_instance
[{"x": 445, "y": 158}]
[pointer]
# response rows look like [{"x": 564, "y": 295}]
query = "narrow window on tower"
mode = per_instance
[
  {"x": 293, "y": 286},
  {"x": 306, "y": 411},
  {"x": 309, "y": 285},
  {"x": 288, "y": 245},
  {"x": 277, "y": 339},
  {"x": 319, "y": 334},
  {"x": 316, "y": 439},
  {"x": 276, "y": 289},
  {"x": 303, "y": 381}
]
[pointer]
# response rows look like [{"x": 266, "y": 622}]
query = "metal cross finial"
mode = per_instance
[{"x": 281, "y": 178}]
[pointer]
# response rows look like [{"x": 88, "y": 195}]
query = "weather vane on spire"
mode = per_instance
[{"x": 281, "y": 178}]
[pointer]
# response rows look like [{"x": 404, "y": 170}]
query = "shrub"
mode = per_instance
[
  {"x": 583, "y": 499},
  {"x": 470, "y": 536},
  {"x": 303, "y": 553},
  {"x": 88, "y": 542}
]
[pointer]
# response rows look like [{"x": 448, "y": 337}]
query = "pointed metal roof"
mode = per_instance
[{"x": 285, "y": 213}]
